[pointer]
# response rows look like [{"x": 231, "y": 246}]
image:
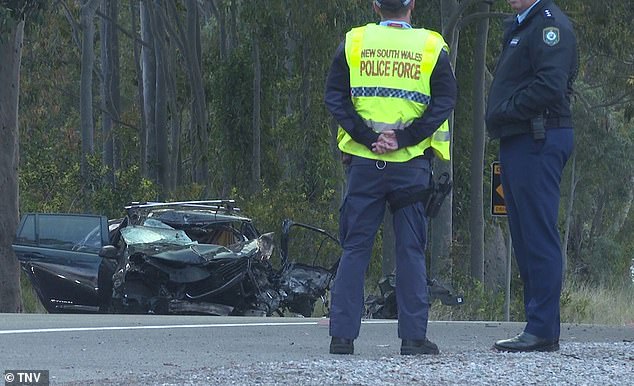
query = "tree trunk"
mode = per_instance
[
  {"x": 476, "y": 214},
  {"x": 441, "y": 266},
  {"x": 336, "y": 154},
  {"x": 621, "y": 215},
  {"x": 304, "y": 103},
  {"x": 115, "y": 85},
  {"x": 285, "y": 157},
  {"x": 496, "y": 255},
  {"x": 87, "y": 15},
  {"x": 221, "y": 17},
  {"x": 232, "y": 30},
  {"x": 176, "y": 114},
  {"x": 109, "y": 85},
  {"x": 148, "y": 71},
  {"x": 135, "y": 15},
  {"x": 257, "y": 120},
  {"x": 194, "y": 56},
  {"x": 160, "y": 107},
  {"x": 569, "y": 214},
  {"x": 188, "y": 42},
  {"x": 10, "y": 59}
]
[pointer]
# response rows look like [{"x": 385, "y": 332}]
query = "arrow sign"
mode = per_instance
[{"x": 498, "y": 207}]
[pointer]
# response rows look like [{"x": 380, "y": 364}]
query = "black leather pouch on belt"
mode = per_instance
[
  {"x": 432, "y": 197},
  {"x": 441, "y": 189},
  {"x": 537, "y": 128}
]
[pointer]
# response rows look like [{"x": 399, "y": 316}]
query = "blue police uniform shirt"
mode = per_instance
[{"x": 517, "y": 95}]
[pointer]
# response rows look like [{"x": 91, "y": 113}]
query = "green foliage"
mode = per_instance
[
  {"x": 575, "y": 308},
  {"x": 191, "y": 192},
  {"x": 604, "y": 169},
  {"x": 49, "y": 170},
  {"x": 47, "y": 189},
  {"x": 129, "y": 186},
  {"x": 231, "y": 124},
  {"x": 272, "y": 205},
  {"x": 608, "y": 261},
  {"x": 7, "y": 22},
  {"x": 481, "y": 303},
  {"x": 15, "y": 11}
]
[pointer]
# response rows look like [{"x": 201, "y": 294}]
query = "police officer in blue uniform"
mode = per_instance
[
  {"x": 528, "y": 110},
  {"x": 391, "y": 89}
]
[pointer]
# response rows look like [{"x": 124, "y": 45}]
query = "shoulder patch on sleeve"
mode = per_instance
[{"x": 551, "y": 36}]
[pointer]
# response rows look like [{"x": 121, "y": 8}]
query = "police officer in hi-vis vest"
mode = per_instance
[
  {"x": 529, "y": 112},
  {"x": 391, "y": 88}
]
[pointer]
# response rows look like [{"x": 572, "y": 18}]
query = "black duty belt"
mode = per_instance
[
  {"x": 554, "y": 122},
  {"x": 419, "y": 161}
]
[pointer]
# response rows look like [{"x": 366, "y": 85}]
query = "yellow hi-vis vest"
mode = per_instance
[{"x": 390, "y": 71}]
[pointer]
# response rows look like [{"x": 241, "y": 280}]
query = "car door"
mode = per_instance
[{"x": 60, "y": 255}]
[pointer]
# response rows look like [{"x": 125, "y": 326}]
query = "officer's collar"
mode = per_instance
[
  {"x": 395, "y": 23},
  {"x": 522, "y": 16}
]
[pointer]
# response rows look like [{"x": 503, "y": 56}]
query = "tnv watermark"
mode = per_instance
[{"x": 26, "y": 378}]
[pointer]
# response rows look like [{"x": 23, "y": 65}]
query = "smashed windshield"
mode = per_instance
[{"x": 154, "y": 234}]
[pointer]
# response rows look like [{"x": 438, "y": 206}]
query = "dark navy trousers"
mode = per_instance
[
  {"x": 361, "y": 214},
  {"x": 531, "y": 175}
]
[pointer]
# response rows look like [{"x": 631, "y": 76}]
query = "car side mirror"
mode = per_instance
[{"x": 108, "y": 252}]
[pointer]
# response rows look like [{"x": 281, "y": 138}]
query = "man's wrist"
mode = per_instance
[
  {"x": 369, "y": 138},
  {"x": 404, "y": 138}
]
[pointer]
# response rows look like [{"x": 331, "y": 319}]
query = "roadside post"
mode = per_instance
[{"x": 498, "y": 209}]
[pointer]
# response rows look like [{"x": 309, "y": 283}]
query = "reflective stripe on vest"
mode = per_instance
[{"x": 390, "y": 71}]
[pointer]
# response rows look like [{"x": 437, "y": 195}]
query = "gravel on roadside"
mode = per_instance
[{"x": 574, "y": 364}]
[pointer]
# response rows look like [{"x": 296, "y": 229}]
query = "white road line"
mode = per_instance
[{"x": 176, "y": 326}]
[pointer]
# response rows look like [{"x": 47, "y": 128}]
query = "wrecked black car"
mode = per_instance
[
  {"x": 384, "y": 306},
  {"x": 193, "y": 257}
]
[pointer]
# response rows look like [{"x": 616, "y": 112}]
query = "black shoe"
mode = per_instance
[
  {"x": 526, "y": 342},
  {"x": 419, "y": 347},
  {"x": 341, "y": 346}
]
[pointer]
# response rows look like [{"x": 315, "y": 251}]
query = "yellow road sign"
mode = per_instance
[{"x": 498, "y": 207}]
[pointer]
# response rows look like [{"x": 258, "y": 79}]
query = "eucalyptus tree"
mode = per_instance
[
  {"x": 87, "y": 14},
  {"x": 186, "y": 34},
  {"x": 476, "y": 213},
  {"x": 256, "y": 159},
  {"x": 110, "y": 84},
  {"x": 161, "y": 139},
  {"x": 148, "y": 92},
  {"x": 441, "y": 229},
  {"x": 13, "y": 15}
]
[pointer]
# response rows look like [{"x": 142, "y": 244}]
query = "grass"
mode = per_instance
[
  {"x": 30, "y": 302},
  {"x": 580, "y": 303},
  {"x": 584, "y": 303}
]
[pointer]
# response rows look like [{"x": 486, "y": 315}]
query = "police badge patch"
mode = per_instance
[{"x": 551, "y": 36}]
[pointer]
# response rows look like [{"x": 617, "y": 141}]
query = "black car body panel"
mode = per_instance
[{"x": 59, "y": 254}]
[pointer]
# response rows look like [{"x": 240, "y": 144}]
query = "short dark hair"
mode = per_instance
[{"x": 393, "y": 8}]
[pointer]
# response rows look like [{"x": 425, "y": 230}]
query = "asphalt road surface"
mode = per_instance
[{"x": 109, "y": 349}]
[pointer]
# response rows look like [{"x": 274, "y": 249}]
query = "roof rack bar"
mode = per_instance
[
  {"x": 199, "y": 206},
  {"x": 203, "y": 203}
]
